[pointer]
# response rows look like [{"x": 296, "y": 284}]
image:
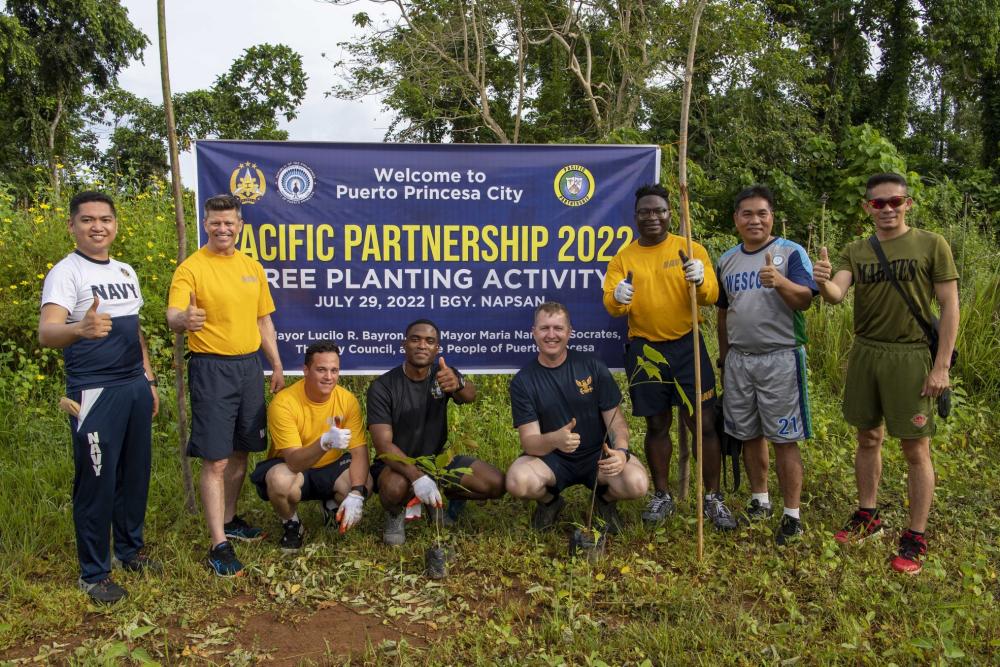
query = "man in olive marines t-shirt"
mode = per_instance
[{"x": 890, "y": 373}]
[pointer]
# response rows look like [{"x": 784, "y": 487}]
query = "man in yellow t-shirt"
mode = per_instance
[
  {"x": 220, "y": 298},
  {"x": 318, "y": 449},
  {"x": 648, "y": 281}
]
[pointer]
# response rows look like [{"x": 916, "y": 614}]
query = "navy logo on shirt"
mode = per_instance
[
  {"x": 113, "y": 291},
  {"x": 586, "y": 386}
]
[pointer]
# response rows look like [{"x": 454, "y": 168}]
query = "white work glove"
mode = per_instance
[
  {"x": 694, "y": 271},
  {"x": 425, "y": 489},
  {"x": 623, "y": 292},
  {"x": 335, "y": 438},
  {"x": 350, "y": 510}
]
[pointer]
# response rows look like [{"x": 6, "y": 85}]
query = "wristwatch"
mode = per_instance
[
  {"x": 628, "y": 454},
  {"x": 362, "y": 489}
]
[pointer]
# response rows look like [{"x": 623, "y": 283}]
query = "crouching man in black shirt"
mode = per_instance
[
  {"x": 408, "y": 417},
  {"x": 565, "y": 408}
]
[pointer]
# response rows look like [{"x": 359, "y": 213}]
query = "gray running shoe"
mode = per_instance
[
  {"x": 789, "y": 530},
  {"x": 716, "y": 510},
  {"x": 104, "y": 591},
  {"x": 607, "y": 511},
  {"x": 757, "y": 510},
  {"x": 545, "y": 516},
  {"x": 660, "y": 506},
  {"x": 394, "y": 532}
]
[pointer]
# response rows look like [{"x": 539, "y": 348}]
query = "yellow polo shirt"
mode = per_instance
[{"x": 234, "y": 293}]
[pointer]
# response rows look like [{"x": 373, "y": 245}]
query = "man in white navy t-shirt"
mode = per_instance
[{"x": 90, "y": 310}]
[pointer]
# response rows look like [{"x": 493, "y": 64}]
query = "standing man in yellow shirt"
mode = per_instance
[
  {"x": 318, "y": 449},
  {"x": 648, "y": 281},
  {"x": 220, "y": 297}
]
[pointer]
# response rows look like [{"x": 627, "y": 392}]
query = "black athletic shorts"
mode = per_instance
[
  {"x": 460, "y": 461},
  {"x": 652, "y": 396},
  {"x": 574, "y": 469},
  {"x": 317, "y": 483},
  {"x": 227, "y": 405}
]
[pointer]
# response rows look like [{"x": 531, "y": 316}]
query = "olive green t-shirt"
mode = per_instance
[{"x": 918, "y": 259}]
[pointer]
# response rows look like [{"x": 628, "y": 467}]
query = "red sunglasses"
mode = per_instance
[{"x": 893, "y": 202}]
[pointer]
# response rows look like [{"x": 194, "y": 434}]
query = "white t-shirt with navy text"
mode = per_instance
[{"x": 116, "y": 358}]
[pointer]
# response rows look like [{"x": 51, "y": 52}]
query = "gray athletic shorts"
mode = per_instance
[{"x": 766, "y": 394}]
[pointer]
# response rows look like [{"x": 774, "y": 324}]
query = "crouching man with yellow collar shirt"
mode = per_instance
[{"x": 318, "y": 449}]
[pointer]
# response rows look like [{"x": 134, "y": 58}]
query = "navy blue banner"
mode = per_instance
[{"x": 357, "y": 240}]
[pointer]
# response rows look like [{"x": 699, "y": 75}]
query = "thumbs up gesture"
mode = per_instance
[
  {"x": 770, "y": 276},
  {"x": 566, "y": 440},
  {"x": 822, "y": 269},
  {"x": 194, "y": 317},
  {"x": 612, "y": 462},
  {"x": 447, "y": 378},
  {"x": 94, "y": 324}
]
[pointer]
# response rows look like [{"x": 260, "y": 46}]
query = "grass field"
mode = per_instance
[{"x": 512, "y": 597}]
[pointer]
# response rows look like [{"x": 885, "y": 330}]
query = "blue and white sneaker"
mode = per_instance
[{"x": 223, "y": 561}]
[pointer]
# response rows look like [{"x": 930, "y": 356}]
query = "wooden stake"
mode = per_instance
[
  {"x": 692, "y": 289},
  {"x": 175, "y": 178}
]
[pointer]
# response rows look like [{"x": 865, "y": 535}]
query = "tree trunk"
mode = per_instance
[
  {"x": 53, "y": 168},
  {"x": 175, "y": 178}
]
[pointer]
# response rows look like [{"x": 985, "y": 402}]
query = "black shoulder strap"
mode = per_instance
[{"x": 891, "y": 277}]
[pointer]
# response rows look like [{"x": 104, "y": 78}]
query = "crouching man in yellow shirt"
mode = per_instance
[{"x": 317, "y": 450}]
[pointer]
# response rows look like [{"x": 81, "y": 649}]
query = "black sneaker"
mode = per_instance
[
  {"x": 238, "y": 529},
  {"x": 545, "y": 515},
  {"x": 104, "y": 591},
  {"x": 141, "y": 562},
  {"x": 789, "y": 530},
  {"x": 291, "y": 541},
  {"x": 757, "y": 510},
  {"x": 660, "y": 506},
  {"x": 329, "y": 508},
  {"x": 223, "y": 561},
  {"x": 607, "y": 511}
]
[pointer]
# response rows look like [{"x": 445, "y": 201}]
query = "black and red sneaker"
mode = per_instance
[
  {"x": 860, "y": 527},
  {"x": 912, "y": 549}
]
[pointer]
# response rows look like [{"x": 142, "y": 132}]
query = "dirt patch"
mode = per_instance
[
  {"x": 283, "y": 637},
  {"x": 334, "y": 629}
]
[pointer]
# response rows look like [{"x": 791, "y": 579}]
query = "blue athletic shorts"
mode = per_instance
[{"x": 227, "y": 406}]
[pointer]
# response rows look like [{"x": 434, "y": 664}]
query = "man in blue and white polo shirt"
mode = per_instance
[
  {"x": 90, "y": 309},
  {"x": 764, "y": 285}
]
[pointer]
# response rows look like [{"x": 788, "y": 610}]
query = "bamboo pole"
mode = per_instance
[
  {"x": 692, "y": 289},
  {"x": 175, "y": 182}
]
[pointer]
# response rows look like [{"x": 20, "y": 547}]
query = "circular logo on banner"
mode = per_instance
[
  {"x": 247, "y": 183},
  {"x": 574, "y": 185},
  {"x": 295, "y": 182}
]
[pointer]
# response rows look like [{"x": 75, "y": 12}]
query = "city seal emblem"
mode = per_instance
[
  {"x": 574, "y": 185},
  {"x": 295, "y": 182}
]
